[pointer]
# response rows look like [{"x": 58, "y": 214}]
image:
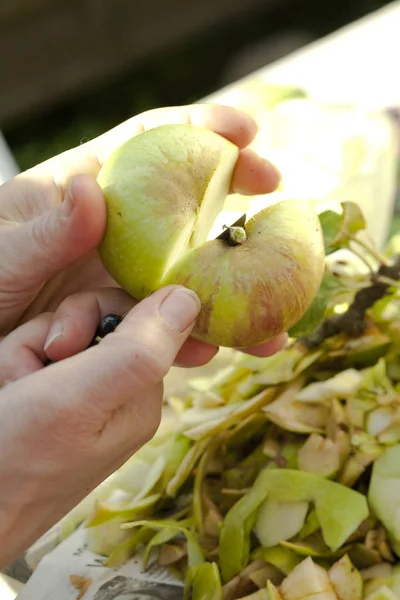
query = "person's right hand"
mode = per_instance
[{"x": 65, "y": 428}]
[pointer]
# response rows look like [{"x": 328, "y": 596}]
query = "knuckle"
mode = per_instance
[
  {"x": 71, "y": 302},
  {"x": 43, "y": 233},
  {"x": 147, "y": 364}
]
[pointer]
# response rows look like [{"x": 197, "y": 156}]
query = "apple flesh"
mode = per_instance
[
  {"x": 307, "y": 580},
  {"x": 328, "y": 497},
  {"x": 384, "y": 490},
  {"x": 346, "y": 580},
  {"x": 164, "y": 189},
  {"x": 279, "y": 521},
  {"x": 384, "y": 593}
]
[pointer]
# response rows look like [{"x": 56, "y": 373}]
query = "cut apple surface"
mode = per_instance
[
  {"x": 164, "y": 190},
  {"x": 279, "y": 521},
  {"x": 384, "y": 490},
  {"x": 346, "y": 580},
  {"x": 307, "y": 580},
  {"x": 328, "y": 497}
]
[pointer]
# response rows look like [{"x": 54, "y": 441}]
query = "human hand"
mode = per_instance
[
  {"x": 51, "y": 225},
  {"x": 67, "y": 427}
]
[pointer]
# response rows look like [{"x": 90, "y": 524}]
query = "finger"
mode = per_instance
[
  {"x": 269, "y": 348},
  {"x": 75, "y": 321},
  {"x": 254, "y": 175},
  {"x": 195, "y": 354},
  {"x": 55, "y": 240},
  {"x": 227, "y": 121},
  {"x": 22, "y": 351},
  {"x": 94, "y": 385}
]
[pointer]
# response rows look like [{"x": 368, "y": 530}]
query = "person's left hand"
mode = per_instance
[{"x": 53, "y": 216}]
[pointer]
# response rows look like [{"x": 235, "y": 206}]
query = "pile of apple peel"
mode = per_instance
[{"x": 280, "y": 477}]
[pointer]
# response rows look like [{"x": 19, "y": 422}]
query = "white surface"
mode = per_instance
[
  {"x": 326, "y": 156},
  {"x": 358, "y": 63},
  {"x": 51, "y": 580}
]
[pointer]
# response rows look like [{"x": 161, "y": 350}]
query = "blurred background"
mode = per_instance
[{"x": 71, "y": 69}]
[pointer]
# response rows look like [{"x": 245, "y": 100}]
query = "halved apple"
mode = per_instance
[{"x": 164, "y": 189}]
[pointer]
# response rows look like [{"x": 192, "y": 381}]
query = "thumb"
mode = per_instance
[
  {"x": 121, "y": 376},
  {"x": 41, "y": 247}
]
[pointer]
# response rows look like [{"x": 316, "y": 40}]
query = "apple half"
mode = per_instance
[{"x": 164, "y": 189}]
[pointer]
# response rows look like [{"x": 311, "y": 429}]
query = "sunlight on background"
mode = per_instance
[{"x": 326, "y": 154}]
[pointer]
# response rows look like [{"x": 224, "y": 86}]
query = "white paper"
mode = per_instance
[{"x": 51, "y": 580}]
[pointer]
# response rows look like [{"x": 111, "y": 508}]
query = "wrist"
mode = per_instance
[{"x": 24, "y": 514}]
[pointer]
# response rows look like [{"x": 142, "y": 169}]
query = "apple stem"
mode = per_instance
[{"x": 237, "y": 236}]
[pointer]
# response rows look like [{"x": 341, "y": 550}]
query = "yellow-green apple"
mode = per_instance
[{"x": 164, "y": 189}]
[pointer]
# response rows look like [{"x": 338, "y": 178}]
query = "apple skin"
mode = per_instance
[
  {"x": 163, "y": 190},
  {"x": 252, "y": 292},
  {"x": 153, "y": 186}
]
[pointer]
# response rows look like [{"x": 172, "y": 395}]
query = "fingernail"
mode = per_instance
[
  {"x": 180, "y": 308},
  {"x": 54, "y": 333},
  {"x": 67, "y": 205}
]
